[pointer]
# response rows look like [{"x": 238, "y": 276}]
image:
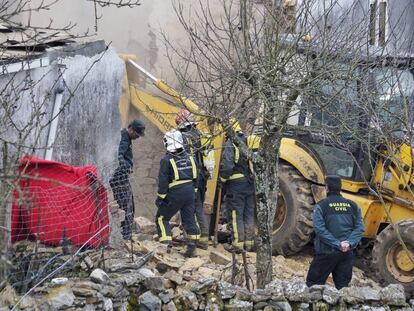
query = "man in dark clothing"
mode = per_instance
[
  {"x": 192, "y": 145},
  {"x": 176, "y": 192},
  {"x": 119, "y": 182},
  {"x": 338, "y": 229},
  {"x": 237, "y": 177}
]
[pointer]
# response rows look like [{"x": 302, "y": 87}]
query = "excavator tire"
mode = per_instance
[
  {"x": 389, "y": 259},
  {"x": 292, "y": 226}
]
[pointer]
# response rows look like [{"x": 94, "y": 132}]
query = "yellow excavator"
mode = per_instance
[{"x": 304, "y": 162}]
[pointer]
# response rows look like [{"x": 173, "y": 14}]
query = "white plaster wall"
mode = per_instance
[
  {"x": 26, "y": 101},
  {"x": 88, "y": 128}
]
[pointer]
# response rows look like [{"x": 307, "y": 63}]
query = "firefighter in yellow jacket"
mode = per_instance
[
  {"x": 237, "y": 177},
  {"x": 176, "y": 191},
  {"x": 192, "y": 144}
]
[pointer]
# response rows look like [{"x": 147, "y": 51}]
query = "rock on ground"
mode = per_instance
[{"x": 148, "y": 301}]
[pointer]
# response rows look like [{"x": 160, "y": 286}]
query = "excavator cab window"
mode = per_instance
[
  {"x": 331, "y": 113},
  {"x": 394, "y": 103},
  {"x": 336, "y": 161},
  {"x": 348, "y": 94},
  {"x": 352, "y": 163}
]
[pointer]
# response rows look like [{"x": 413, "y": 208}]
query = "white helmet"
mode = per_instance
[{"x": 173, "y": 140}]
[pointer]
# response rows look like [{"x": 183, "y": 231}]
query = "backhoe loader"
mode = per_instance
[{"x": 305, "y": 159}]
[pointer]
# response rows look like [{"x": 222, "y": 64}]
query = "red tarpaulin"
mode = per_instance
[{"x": 55, "y": 196}]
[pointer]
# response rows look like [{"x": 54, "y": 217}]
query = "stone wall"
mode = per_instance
[
  {"x": 148, "y": 152},
  {"x": 123, "y": 283},
  {"x": 141, "y": 275}
]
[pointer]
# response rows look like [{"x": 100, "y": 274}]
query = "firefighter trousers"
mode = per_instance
[
  {"x": 240, "y": 206},
  {"x": 199, "y": 210},
  {"x": 179, "y": 198}
]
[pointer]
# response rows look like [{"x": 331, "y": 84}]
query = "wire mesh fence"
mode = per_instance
[{"x": 61, "y": 215}]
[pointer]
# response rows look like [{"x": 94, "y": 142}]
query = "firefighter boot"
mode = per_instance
[
  {"x": 249, "y": 246},
  {"x": 203, "y": 242},
  {"x": 191, "y": 249}
]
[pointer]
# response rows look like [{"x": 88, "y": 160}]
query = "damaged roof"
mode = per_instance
[
  {"x": 23, "y": 48},
  {"x": 22, "y": 43}
]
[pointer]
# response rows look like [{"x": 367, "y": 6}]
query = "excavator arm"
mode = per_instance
[
  {"x": 157, "y": 110},
  {"x": 160, "y": 112}
]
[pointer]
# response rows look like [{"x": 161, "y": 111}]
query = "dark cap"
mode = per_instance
[
  {"x": 138, "y": 126},
  {"x": 333, "y": 182}
]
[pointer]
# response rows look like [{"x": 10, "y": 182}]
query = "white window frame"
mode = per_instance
[{"x": 377, "y": 22}]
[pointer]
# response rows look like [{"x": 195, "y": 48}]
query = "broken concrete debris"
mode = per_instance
[{"x": 151, "y": 279}]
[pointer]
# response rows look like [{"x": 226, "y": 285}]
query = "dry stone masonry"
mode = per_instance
[
  {"x": 140, "y": 275},
  {"x": 129, "y": 289}
]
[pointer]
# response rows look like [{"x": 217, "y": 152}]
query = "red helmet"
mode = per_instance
[{"x": 184, "y": 118}]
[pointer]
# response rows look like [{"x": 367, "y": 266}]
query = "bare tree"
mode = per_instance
[
  {"x": 315, "y": 83},
  {"x": 25, "y": 114}
]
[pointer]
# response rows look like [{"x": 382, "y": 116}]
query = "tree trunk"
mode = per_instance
[
  {"x": 6, "y": 189},
  {"x": 267, "y": 186},
  {"x": 4, "y": 234}
]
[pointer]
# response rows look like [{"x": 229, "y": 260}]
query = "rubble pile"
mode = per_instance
[{"x": 141, "y": 275}]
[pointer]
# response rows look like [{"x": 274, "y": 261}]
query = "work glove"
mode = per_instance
[
  {"x": 159, "y": 202},
  {"x": 205, "y": 173},
  {"x": 221, "y": 182}
]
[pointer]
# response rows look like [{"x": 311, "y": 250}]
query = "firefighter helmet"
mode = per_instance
[
  {"x": 173, "y": 140},
  {"x": 184, "y": 118}
]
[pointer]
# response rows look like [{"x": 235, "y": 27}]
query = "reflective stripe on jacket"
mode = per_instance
[
  {"x": 234, "y": 164},
  {"x": 192, "y": 144},
  {"x": 175, "y": 169}
]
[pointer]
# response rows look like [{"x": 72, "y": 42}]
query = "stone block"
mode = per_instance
[
  {"x": 296, "y": 291},
  {"x": 174, "y": 277},
  {"x": 393, "y": 295},
  {"x": 355, "y": 295},
  {"x": 61, "y": 298},
  {"x": 154, "y": 283},
  {"x": 219, "y": 258},
  {"x": 203, "y": 285},
  {"x": 145, "y": 225},
  {"x": 276, "y": 287},
  {"x": 281, "y": 305},
  {"x": 331, "y": 295},
  {"x": 227, "y": 290},
  {"x": 148, "y": 301},
  {"x": 239, "y": 305},
  {"x": 188, "y": 300},
  {"x": 99, "y": 276}
]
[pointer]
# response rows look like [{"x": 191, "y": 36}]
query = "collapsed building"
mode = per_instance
[{"x": 52, "y": 88}]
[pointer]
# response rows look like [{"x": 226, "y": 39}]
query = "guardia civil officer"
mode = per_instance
[
  {"x": 238, "y": 180},
  {"x": 176, "y": 191},
  {"x": 119, "y": 182},
  {"x": 338, "y": 229},
  {"x": 192, "y": 144}
]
